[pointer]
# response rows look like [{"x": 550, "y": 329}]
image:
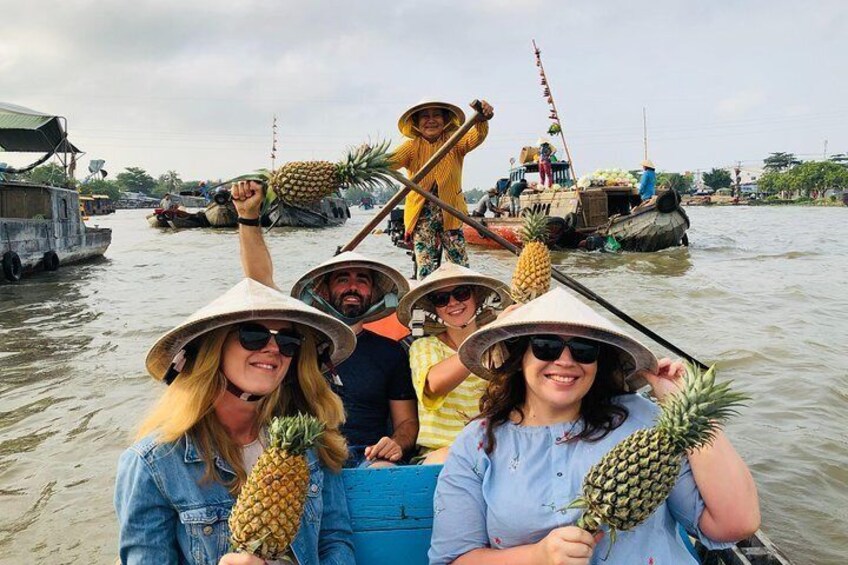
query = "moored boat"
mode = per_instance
[
  {"x": 41, "y": 225},
  {"x": 329, "y": 211},
  {"x": 576, "y": 214}
]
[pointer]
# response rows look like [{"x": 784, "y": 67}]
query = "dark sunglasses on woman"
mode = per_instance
[
  {"x": 550, "y": 348},
  {"x": 442, "y": 299},
  {"x": 254, "y": 337}
]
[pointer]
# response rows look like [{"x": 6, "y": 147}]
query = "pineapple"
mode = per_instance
[
  {"x": 532, "y": 276},
  {"x": 632, "y": 480},
  {"x": 305, "y": 182},
  {"x": 267, "y": 513}
]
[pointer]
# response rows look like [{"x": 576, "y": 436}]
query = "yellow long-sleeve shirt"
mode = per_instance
[{"x": 447, "y": 174}]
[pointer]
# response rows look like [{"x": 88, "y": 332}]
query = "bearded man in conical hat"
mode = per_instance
[
  {"x": 428, "y": 125},
  {"x": 374, "y": 383}
]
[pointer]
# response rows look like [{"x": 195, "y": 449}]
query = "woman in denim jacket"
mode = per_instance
[{"x": 250, "y": 355}]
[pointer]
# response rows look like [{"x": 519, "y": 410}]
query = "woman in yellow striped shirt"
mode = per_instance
[
  {"x": 447, "y": 306},
  {"x": 427, "y": 126}
]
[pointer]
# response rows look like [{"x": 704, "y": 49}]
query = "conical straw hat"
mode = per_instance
[
  {"x": 555, "y": 312},
  {"x": 386, "y": 279},
  {"x": 409, "y": 129},
  {"x": 247, "y": 301},
  {"x": 495, "y": 295},
  {"x": 648, "y": 163}
]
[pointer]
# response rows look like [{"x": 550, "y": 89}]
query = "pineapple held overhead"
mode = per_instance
[
  {"x": 532, "y": 276},
  {"x": 266, "y": 516},
  {"x": 631, "y": 481},
  {"x": 305, "y": 182}
]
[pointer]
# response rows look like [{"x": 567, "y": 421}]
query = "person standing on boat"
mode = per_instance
[
  {"x": 546, "y": 151},
  {"x": 374, "y": 383},
  {"x": 515, "y": 190},
  {"x": 448, "y": 306},
  {"x": 166, "y": 203},
  {"x": 648, "y": 182},
  {"x": 560, "y": 396},
  {"x": 250, "y": 355},
  {"x": 427, "y": 126}
]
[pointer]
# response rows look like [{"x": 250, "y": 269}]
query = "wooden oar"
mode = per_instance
[
  {"x": 428, "y": 166},
  {"x": 556, "y": 274}
]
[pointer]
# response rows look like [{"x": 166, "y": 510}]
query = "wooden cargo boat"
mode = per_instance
[
  {"x": 575, "y": 215},
  {"x": 391, "y": 512},
  {"x": 329, "y": 211},
  {"x": 41, "y": 225}
]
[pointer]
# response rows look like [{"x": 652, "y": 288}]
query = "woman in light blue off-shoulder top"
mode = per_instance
[{"x": 558, "y": 400}]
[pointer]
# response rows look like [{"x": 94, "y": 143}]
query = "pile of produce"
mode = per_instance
[{"x": 607, "y": 177}]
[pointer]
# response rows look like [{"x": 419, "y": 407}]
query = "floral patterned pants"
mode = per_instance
[{"x": 429, "y": 240}]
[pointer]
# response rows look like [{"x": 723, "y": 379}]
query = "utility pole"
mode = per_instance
[
  {"x": 825, "y": 150},
  {"x": 738, "y": 171},
  {"x": 645, "y": 131}
]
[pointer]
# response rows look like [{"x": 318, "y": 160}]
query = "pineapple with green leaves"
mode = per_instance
[
  {"x": 630, "y": 482},
  {"x": 266, "y": 516},
  {"x": 302, "y": 183},
  {"x": 532, "y": 275}
]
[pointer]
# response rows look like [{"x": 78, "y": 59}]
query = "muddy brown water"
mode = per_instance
[{"x": 762, "y": 291}]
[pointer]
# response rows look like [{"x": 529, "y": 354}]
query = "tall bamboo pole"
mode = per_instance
[{"x": 554, "y": 113}]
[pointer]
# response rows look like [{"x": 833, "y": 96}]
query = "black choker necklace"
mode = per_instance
[{"x": 246, "y": 396}]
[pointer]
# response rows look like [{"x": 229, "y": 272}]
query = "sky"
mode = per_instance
[{"x": 193, "y": 86}]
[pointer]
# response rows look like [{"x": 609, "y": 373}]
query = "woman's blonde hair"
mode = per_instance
[{"x": 187, "y": 407}]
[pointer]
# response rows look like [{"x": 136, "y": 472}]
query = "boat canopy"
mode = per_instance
[{"x": 27, "y": 131}]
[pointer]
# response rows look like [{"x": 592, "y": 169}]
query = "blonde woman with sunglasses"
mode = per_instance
[{"x": 250, "y": 355}]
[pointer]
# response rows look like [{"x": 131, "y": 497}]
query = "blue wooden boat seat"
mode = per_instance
[{"x": 391, "y": 512}]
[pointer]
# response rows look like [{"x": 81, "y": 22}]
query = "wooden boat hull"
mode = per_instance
[
  {"x": 42, "y": 230},
  {"x": 221, "y": 216},
  {"x": 573, "y": 217},
  {"x": 648, "y": 230},
  {"x": 177, "y": 219},
  {"x": 330, "y": 211}
]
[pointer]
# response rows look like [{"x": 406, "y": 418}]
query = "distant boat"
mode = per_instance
[
  {"x": 41, "y": 225},
  {"x": 329, "y": 211},
  {"x": 576, "y": 215}
]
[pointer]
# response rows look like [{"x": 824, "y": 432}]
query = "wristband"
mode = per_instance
[{"x": 248, "y": 221}]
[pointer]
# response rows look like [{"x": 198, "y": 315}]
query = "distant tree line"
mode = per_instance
[{"x": 132, "y": 179}]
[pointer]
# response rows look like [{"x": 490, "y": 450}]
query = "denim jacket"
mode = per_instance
[{"x": 167, "y": 515}]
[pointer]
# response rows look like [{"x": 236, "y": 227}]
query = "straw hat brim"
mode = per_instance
[
  {"x": 479, "y": 355},
  {"x": 270, "y": 304},
  {"x": 648, "y": 163},
  {"x": 417, "y": 297},
  {"x": 387, "y": 279},
  {"x": 408, "y": 128}
]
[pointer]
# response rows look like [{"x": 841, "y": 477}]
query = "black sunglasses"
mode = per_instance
[
  {"x": 550, "y": 347},
  {"x": 441, "y": 299},
  {"x": 254, "y": 337}
]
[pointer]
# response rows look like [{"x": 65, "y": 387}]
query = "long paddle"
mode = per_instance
[
  {"x": 556, "y": 274},
  {"x": 428, "y": 166}
]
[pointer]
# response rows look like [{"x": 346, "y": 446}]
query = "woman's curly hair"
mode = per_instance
[{"x": 507, "y": 392}]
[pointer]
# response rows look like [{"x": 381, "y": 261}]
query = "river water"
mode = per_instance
[{"x": 762, "y": 291}]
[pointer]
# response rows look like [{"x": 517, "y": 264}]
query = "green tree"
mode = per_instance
[
  {"x": 136, "y": 179},
  {"x": 168, "y": 182},
  {"x": 717, "y": 178},
  {"x": 50, "y": 174},
  {"x": 681, "y": 183},
  {"x": 780, "y": 161},
  {"x": 474, "y": 195},
  {"x": 101, "y": 186},
  {"x": 807, "y": 180}
]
